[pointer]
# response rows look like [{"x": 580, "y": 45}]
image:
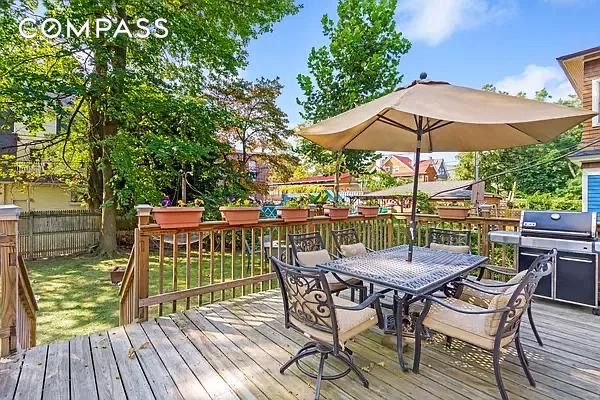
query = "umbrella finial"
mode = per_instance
[{"x": 423, "y": 76}]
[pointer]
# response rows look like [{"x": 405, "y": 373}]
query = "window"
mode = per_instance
[
  {"x": 425, "y": 178},
  {"x": 396, "y": 168},
  {"x": 596, "y": 101},
  {"x": 386, "y": 168}
]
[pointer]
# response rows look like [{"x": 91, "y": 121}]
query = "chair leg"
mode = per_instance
[
  {"x": 320, "y": 376},
  {"x": 352, "y": 294},
  {"x": 533, "y": 328},
  {"x": 498, "y": 375},
  {"x": 353, "y": 367},
  {"x": 523, "y": 359},
  {"x": 306, "y": 350},
  {"x": 448, "y": 342}
]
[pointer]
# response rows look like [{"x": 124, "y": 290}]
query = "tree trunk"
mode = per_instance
[
  {"x": 108, "y": 231},
  {"x": 94, "y": 199}
]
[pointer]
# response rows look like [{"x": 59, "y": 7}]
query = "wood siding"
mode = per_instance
[{"x": 591, "y": 71}]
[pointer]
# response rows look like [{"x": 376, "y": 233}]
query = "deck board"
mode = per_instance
[{"x": 234, "y": 349}]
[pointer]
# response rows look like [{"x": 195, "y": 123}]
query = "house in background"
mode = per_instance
[
  {"x": 583, "y": 70},
  {"x": 44, "y": 191},
  {"x": 400, "y": 166}
]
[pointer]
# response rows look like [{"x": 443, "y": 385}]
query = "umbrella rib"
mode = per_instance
[
  {"x": 361, "y": 131},
  {"x": 525, "y": 133},
  {"x": 396, "y": 124}
]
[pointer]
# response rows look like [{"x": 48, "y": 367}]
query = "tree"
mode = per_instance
[
  {"x": 255, "y": 123},
  {"x": 545, "y": 177},
  {"x": 205, "y": 39},
  {"x": 359, "y": 64}
]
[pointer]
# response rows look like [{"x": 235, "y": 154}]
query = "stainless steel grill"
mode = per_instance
[{"x": 573, "y": 234}]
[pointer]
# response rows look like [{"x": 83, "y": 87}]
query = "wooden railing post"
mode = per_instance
[
  {"x": 9, "y": 218},
  {"x": 142, "y": 259}
]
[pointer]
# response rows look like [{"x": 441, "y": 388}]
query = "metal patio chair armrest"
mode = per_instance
[
  {"x": 489, "y": 285},
  {"x": 480, "y": 287},
  {"x": 370, "y": 250},
  {"x": 432, "y": 299},
  {"x": 372, "y": 299},
  {"x": 483, "y": 268},
  {"x": 333, "y": 256},
  {"x": 350, "y": 285}
]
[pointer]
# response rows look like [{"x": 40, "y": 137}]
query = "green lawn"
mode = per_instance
[{"x": 75, "y": 296}]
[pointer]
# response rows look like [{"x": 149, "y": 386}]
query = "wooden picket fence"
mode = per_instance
[{"x": 46, "y": 234}]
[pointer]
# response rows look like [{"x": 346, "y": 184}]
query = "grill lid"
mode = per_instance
[{"x": 559, "y": 224}]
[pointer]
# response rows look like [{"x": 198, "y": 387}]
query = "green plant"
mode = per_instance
[
  {"x": 297, "y": 202},
  {"x": 424, "y": 205},
  {"x": 369, "y": 202},
  {"x": 242, "y": 202},
  {"x": 319, "y": 198},
  {"x": 454, "y": 203}
]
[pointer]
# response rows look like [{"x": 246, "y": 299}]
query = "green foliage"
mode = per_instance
[
  {"x": 104, "y": 86},
  {"x": 550, "y": 201},
  {"x": 242, "y": 202},
  {"x": 380, "y": 180},
  {"x": 318, "y": 198},
  {"x": 297, "y": 202},
  {"x": 359, "y": 64},
  {"x": 424, "y": 204}
]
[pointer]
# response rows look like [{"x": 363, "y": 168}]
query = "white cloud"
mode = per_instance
[
  {"x": 537, "y": 77},
  {"x": 434, "y": 21}
]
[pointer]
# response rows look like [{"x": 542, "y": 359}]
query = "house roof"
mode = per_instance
[
  {"x": 455, "y": 189},
  {"x": 572, "y": 65}
]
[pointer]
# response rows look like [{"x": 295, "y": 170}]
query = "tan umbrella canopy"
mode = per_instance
[{"x": 436, "y": 116}]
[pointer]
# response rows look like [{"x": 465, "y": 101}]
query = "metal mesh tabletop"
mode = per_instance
[{"x": 429, "y": 269}]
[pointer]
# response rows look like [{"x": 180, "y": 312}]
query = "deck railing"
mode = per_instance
[
  {"x": 215, "y": 261},
  {"x": 18, "y": 306}
]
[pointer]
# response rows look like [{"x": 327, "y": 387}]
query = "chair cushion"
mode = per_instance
[
  {"x": 356, "y": 249},
  {"x": 312, "y": 258},
  {"x": 474, "y": 296},
  {"x": 468, "y": 328},
  {"x": 500, "y": 301},
  {"x": 450, "y": 248},
  {"x": 350, "y": 323},
  {"x": 335, "y": 285}
]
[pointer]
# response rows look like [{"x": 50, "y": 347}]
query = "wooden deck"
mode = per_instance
[{"x": 234, "y": 349}]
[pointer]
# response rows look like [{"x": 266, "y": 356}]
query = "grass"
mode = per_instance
[{"x": 76, "y": 297}]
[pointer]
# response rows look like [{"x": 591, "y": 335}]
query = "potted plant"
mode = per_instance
[
  {"x": 453, "y": 210},
  {"x": 116, "y": 275},
  {"x": 316, "y": 203},
  {"x": 368, "y": 208},
  {"x": 294, "y": 210},
  {"x": 338, "y": 210},
  {"x": 241, "y": 211},
  {"x": 184, "y": 215}
]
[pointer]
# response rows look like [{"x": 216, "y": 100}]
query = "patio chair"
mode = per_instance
[
  {"x": 476, "y": 291},
  {"x": 492, "y": 329},
  {"x": 329, "y": 322},
  {"x": 308, "y": 250},
  {"x": 347, "y": 243},
  {"x": 449, "y": 240}
]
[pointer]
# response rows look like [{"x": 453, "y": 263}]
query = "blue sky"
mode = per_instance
[{"x": 512, "y": 44}]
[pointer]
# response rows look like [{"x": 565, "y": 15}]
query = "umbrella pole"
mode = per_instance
[{"x": 413, "y": 210}]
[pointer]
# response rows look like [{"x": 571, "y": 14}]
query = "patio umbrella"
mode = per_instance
[{"x": 437, "y": 116}]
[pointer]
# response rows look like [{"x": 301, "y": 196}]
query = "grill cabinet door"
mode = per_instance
[
  {"x": 526, "y": 257},
  {"x": 576, "y": 278}
]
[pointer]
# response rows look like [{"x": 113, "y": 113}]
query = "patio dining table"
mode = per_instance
[{"x": 429, "y": 271}]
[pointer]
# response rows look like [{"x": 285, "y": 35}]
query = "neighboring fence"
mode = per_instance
[
  {"x": 18, "y": 307},
  {"x": 217, "y": 261},
  {"x": 45, "y": 234}
]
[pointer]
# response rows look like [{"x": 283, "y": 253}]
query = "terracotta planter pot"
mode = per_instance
[
  {"x": 337, "y": 213},
  {"x": 240, "y": 215},
  {"x": 293, "y": 214},
  {"x": 116, "y": 275},
  {"x": 368, "y": 211},
  {"x": 451, "y": 212},
  {"x": 178, "y": 217}
]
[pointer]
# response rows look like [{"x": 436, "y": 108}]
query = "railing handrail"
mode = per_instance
[
  {"x": 128, "y": 274},
  {"x": 26, "y": 290}
]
